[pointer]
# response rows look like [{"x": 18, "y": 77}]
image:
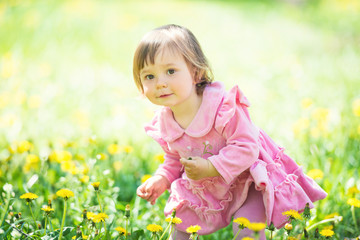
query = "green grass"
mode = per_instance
[{"x": 66, "y": 76}]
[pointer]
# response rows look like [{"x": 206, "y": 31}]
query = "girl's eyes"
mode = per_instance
[{"x": 149, "y": 77}]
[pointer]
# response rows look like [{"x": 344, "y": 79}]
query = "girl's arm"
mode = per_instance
[
  {"x": 241, "y": 149},
  {"x": 198, "y": 168},
  {"x": 171, "y": 168}
]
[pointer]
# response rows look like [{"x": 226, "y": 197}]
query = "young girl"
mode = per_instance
[{"x": 218, "y": 164}]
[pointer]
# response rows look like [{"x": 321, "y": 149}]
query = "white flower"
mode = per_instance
[
  {"x": 15, "y": 234},
  {"x": 8, "y": 187}
]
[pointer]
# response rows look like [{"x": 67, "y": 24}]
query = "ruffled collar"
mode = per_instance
[{"x": 203, "y": 121}]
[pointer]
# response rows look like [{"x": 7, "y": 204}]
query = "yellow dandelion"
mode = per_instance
[
  {"x": 247, "y": 238},
  {"x": 100, "y": 217},
  {"x": 354, "y": 202},
  {"x": 154, "y": 228},
  {"x": 24, "y": 146},
  {"x": 121, "y": 230},
  {"x": 32, "y": 159},
  {"x": 29, "y": 196},
  {"x": 193, "y": 229},
  {"x": 332, "y": 215},
  {"x": 291, "y": 238},
  {"x": 330, "y": 227},
  {"x": 102, "y": 156},
  {"x": 84, "y": 236},
  {"x": 117, "y": 165},
  {"x": 356, "y": 107},
  {"x": 293, "y": 214},
  {"x": 65, "y": 193},
  {"x": 288, "y": 226},
  {"x": 90, "y": 215},
  {"x": 243, "y": 222},
  {"x": 80, "y": 157},
  {"x": 316, "y": 174},
  {"x": 353, "y": 190},
  {"x": 69, "y": 166},
  {"x": 321, "y": 114},
  {"x": 128, "y": 149},
  {"x": 306, "y": 103},
  {"x": 96, "y": 185},
  {"x": 92, "y": 139},
  {"x": 256, "y": 227},
  {"x": 113, "y": 149},
  {"x": 47, "y": 209},
  {"x": 60, "y": 156},
  {"x": 175, "y": 220},
  {"x": 85, "y": 179},
  {"x": 159, "y": 157},
  {"x": 326, "y": 232},
  {"x": 145, "y": 177}
]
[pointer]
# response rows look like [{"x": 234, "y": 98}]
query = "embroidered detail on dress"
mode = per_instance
[{"x": 207, "y": 146}]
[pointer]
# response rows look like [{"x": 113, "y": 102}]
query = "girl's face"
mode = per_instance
[{"x": 169, "y": 81}]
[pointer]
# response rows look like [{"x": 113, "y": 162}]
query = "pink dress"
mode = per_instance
[{"x": 223, "y": 133}]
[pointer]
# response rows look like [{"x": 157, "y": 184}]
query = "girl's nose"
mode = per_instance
[{"x": 161, "y": 83}]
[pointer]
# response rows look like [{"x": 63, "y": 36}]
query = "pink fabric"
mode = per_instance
[
  {"x": 241, "y": 153},
  {"x": 253, "y": 209}
]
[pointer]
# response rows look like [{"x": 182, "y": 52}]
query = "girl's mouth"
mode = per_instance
[{"x": 165, "y": 95}]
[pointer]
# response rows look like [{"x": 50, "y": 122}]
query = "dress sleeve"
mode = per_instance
[
  {"x": 171, "y": 168},
  {"x": 241, "y": 150}
]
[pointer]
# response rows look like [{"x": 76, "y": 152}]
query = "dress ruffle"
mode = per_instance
[
  {"x": 228, "y": 107},
  {"x": 283, "y": 182},
  {"x": 203, "y": 201}
]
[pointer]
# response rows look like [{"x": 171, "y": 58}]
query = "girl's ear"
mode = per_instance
[{"x": 197, "y": 73}]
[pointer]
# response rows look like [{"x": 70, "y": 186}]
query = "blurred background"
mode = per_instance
[
  {"x": 66, "y": 81},
  {"x": 66, "y": 66}
]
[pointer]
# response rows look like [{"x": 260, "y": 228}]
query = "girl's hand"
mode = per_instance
[
  {"x": 198, "y": 168},
  {"x": 153, "y": 188}
]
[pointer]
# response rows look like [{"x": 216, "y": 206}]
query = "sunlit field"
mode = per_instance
[{"x": 72, "y": 119}]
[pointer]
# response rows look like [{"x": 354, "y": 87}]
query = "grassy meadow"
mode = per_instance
[{"x": 71, "y": 116}]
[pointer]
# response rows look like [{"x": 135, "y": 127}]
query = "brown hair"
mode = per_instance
[{"x": 174, "y": 37}]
